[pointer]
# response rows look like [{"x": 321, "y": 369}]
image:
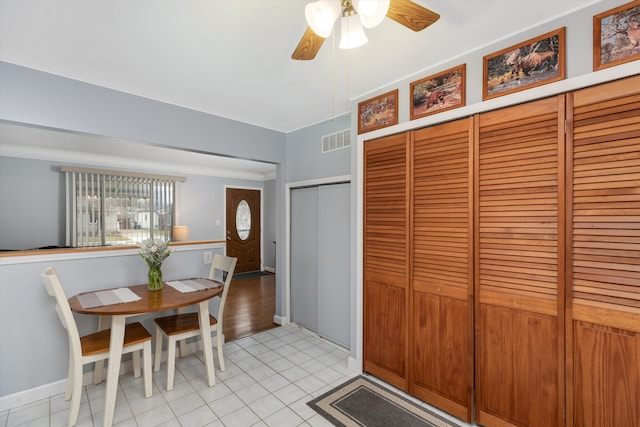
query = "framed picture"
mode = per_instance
[
  {"x": 529, "y": 64},
  {"x": 616, "y": 36},
  {"x": 439, "y": 92},
  {"x": 378, "y": 112}
]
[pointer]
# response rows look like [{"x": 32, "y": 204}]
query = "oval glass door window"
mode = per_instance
[{"x": 243, "y": 219}]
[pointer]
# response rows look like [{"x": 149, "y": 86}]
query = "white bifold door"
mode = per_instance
[{"x": 320, "y": 260}]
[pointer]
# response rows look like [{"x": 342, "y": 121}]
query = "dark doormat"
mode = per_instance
[
  {"x": 361, "y": 402},
  {"x": 250, "y": 274}
]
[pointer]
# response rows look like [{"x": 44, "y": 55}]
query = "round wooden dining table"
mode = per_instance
[{"x": 167, "y": 298}]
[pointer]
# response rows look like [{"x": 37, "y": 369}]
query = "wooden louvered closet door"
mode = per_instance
[
  {"x": 441, "y": 281},
  {"x": 386, "y": 255},
  {"x": 519, "y": 265},
  {"x": 603, "y": 271}
]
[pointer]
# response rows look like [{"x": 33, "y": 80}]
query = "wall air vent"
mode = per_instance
[{"x": 336, "y": 141}]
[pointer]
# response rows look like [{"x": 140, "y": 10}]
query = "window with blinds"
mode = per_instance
[{"x": 107, "y": 208}]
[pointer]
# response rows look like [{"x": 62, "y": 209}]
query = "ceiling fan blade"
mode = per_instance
[
  {"x": 308, "y": 47},
  {"x": 411, "y": 15}
]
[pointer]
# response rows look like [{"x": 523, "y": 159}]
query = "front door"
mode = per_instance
[{"x": 243, "y": 228}]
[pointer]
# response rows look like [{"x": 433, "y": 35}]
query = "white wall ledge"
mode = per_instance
[{"x": 21, "y": 258}]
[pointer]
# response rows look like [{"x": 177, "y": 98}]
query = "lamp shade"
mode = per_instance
[
  {"x": 352, "y": 35},
  {"x": 180, "y": 233},
  {"x": 371, "y": 12},
  {"x": 321, "y": 16}
]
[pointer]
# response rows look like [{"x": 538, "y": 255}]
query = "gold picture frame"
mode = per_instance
[
  {"x": 378, "y": 112},
  {"x": 439, "y": 92},
  {"x": 532, "y": 63}
]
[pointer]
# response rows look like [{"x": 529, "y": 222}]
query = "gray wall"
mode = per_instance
[
  {"x": 36, "y": 98},
  {"x": 36, "y": 352},
  {"x": 32, "y": 213},
  {"x": 269, "y": 197},
  {"x": 305, "y": 160},
  {"x": 22, "y": 294},
  {"x": 202, "y": 203}
]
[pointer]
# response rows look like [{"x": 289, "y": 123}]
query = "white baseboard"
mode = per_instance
[
  {"x": 58, "y": 387},
  {"x": 269, "y": 269},
  {"x": 280, "y": 320},
  {"x": 32, "y": 395},
  {"x": 49, "y": 390}
]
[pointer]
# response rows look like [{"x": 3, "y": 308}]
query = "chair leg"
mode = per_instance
[
  {"x": 76, "y": 394},
  {"x": 147, "y": 368},
  {"x": 158, "y": 353},
  {"x": 182, "y": 343},
  {"x": 104, "y": 322},
  {"x": 171, "y": 363},
  {"x": 136, "y": 364},
  {"x": 219, "y": 342},
  {"x": 183, "y": 347},
  {"x": 98, "y": 372}
]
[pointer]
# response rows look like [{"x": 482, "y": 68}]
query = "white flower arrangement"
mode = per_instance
[{"x": 154, "y": 251}]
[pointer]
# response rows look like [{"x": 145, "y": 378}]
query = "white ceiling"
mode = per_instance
[{"x": 232, "y": 58}]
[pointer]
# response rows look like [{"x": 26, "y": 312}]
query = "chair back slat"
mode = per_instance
[
  {"x": 54, "y": 288},
  {"x": 224, "y": 266}
]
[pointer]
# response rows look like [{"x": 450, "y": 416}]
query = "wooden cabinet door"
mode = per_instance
[
  {"x": 519, "y": 263},
  {"x": 386, "y": 255},
  {"x": 603, "y": 262},
  {"x": 442, "y": 267}
]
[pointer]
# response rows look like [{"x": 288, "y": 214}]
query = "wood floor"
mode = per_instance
[{"x": 250, "y": 306}]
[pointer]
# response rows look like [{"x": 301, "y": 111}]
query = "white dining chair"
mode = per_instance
[
  {"x": 179, "y": 327},
  {"x": 94, "y": 347}
]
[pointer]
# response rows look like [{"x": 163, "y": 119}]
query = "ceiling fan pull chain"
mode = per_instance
[
  {"x": 346, "y": 101},
  {"x": 333, "y": 77}
]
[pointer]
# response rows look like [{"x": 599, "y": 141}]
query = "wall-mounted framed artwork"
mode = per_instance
[
  {"x": 439, "y": 92},
  {"x": 616, "y": 36},
  {"x": 532, "y": 63},
  {"x": 378, "y": 112}
]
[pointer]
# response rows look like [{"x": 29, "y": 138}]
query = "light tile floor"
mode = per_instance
[
  {"x": 269, "y": 377},
  {"x": 268, "y": 380}
]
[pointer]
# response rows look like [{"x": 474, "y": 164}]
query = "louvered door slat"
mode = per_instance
[
  {"x": 604, "y": 256},
  {"x": 606, "y": 157},
  {"x": 518, "y": 229},
  {"x": 386, "y": 246},
  {"x": 441, "y": 277}
]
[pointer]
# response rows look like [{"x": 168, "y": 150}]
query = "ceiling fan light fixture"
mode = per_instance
[
  {"x": 371, "y": 12},
  {"x": 352, "y": 35},
  {"x": 321, "y": 16}
]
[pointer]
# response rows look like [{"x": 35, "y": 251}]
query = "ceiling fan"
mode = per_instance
[{"x": 322, "y": 15}]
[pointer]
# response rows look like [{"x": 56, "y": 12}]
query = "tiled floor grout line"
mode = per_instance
[
  {"x": 243, "y": 363},
  {"x": 247, "y": 349}
]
